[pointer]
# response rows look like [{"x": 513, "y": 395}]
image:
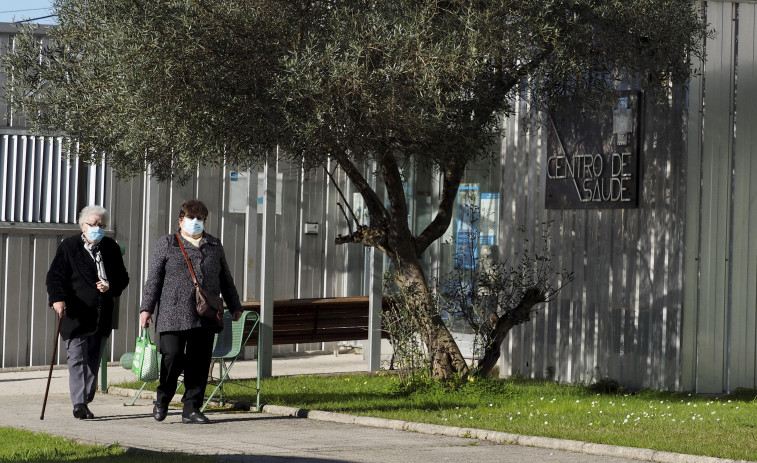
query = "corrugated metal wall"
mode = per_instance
[
  {"x": 628, "y": 315},
  {"x": 720, "y": 322},
  {"x": 621, "y": 317}
]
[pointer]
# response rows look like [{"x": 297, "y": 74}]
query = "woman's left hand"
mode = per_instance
[
  {"x": 236, "y": 315},
  {"x": 102, "y": 287}
]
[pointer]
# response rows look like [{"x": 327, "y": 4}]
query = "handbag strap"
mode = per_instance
[{"x": 189, "y": 264}]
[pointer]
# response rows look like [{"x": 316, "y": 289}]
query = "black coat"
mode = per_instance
[{"x": 73, "y": 278}]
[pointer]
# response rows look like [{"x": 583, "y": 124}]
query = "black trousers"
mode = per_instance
[{"x": 189, "y": 352}]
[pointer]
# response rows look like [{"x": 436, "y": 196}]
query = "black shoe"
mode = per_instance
[
  {"x": 80, "y": 412},
  {"x": 159, "y": 413},
  {"x": 195, "y": 418},
  {"x": 89, "y": 414}
]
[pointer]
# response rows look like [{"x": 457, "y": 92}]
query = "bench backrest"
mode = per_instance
[{"x": 298, "y": 321}]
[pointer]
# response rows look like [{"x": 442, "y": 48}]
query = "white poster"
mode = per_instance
[{"x": 238, "y": 187}]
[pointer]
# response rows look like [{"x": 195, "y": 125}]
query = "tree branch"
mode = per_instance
[
  {"x": 341, "y": 194},
  {"x": 395, "y": 190},
  {"x": 376, "y": 209},
  {"x": 453, "y": 175}
]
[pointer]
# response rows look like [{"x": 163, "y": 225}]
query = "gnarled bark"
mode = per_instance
[{"x": 504, "y": 323}]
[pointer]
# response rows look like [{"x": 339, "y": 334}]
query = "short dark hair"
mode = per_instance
[{"x": 193, "y": 208}]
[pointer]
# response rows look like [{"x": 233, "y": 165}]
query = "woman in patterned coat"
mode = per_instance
[{"x": 186, "y": 342}]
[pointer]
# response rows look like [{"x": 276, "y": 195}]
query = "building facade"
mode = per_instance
[{"x": 665, "y": 288}]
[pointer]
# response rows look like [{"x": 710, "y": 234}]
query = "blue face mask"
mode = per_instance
[
  {"x": 192, "y": 226},
  {"x": 94, "y": 234}
]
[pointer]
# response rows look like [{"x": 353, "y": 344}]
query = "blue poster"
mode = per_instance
[{"x": 467, "y": 227}]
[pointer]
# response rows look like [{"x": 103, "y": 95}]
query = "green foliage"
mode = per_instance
[{"x": 171, "y": 83}]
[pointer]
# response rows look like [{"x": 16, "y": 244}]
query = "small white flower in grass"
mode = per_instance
[
  {"x": 577, "y": 401},
  {"x": 491, "y": 405},
  {"x": 737, "y": 408},
  {"x": 591, "y": 424},
  {"x": 712, "y": 413}
]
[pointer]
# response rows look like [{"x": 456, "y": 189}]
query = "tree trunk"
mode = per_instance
[
  {"x": 446, "y": 359},
  {"x": 503, "y": 325}
]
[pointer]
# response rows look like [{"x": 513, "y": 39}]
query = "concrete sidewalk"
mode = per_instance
[{"x": 280, "y": 434}]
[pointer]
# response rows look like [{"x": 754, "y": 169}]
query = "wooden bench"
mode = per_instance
[{"x": 299, "y": 321}]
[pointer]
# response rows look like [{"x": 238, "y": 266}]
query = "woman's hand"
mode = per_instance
[
  {"x": 145, "y": 318},
  {"x": 102, "y": 286},
  {"x": 236, "y": 315},
  {"x": 59, "y": 307}
]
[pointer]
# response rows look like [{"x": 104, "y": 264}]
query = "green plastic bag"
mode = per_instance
[{"x": 145, "y": 364}]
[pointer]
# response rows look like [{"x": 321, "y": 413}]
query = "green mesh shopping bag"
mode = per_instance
[{"x": 145, "y": 364}]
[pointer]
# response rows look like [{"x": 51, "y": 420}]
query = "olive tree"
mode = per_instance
[{"x": 171, "y": 84}]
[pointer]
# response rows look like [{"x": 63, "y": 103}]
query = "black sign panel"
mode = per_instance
[{"x": 593, "y": 162}]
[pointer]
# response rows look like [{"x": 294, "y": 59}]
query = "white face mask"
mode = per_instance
[{"x": 192, "y": 226}]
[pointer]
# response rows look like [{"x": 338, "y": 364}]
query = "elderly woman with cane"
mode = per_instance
[{"x": 85, "y": 277}]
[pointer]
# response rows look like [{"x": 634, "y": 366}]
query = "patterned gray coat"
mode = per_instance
[{"x": 169, "y": 284}]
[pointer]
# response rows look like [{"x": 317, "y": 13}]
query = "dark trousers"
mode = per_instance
[{"x": 189, "y": 352}]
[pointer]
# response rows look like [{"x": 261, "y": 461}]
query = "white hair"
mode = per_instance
[{"x": 93, "y": 210}]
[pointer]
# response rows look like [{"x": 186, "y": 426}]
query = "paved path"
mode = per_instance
[{"x": 276, "y": 437}]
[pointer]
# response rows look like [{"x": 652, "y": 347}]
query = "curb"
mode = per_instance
[{"x": 498, "y": 437}]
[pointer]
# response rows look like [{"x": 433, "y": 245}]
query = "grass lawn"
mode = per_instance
[
  {"x": 724, "y": 427},
  {"x": 17, "y": 445}
]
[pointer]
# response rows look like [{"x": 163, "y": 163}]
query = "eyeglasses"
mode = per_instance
[{"x": 96, "y": 224}]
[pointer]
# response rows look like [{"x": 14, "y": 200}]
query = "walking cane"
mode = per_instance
[{"x": 52, "y": 361}]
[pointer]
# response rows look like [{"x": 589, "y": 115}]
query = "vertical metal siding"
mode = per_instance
[
  {"x": 616, "y": 319},
  {"x": 738, "y": 317},
  {"x": 719, "y": 347}
]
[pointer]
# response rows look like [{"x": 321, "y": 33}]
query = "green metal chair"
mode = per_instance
[{"x": 228, "y": 344}]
